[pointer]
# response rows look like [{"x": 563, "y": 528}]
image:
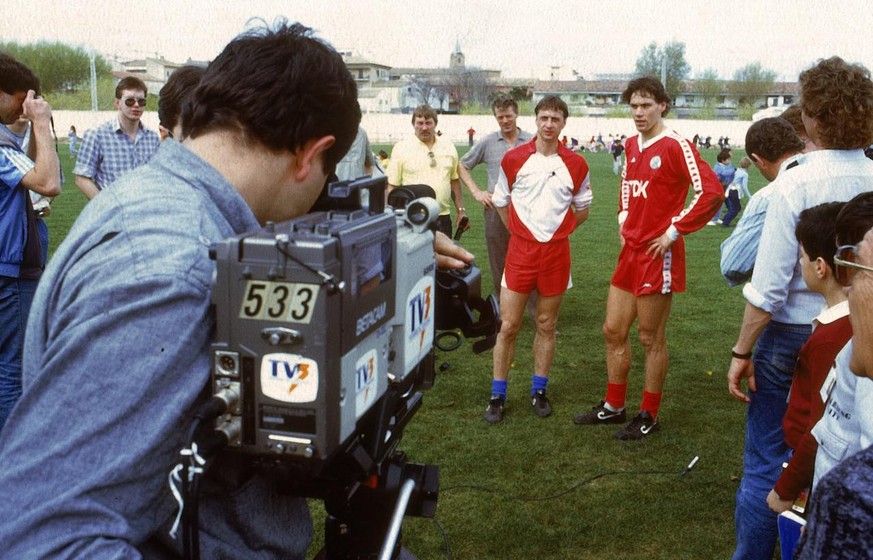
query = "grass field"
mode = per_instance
[{"x": 532, "y": 488}]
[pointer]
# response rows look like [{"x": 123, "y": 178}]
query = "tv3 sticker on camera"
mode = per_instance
[
  {"x": 420, "y": 322},
  {"x": 289, "y": 378},
  {"x": 365, "y": 382}
]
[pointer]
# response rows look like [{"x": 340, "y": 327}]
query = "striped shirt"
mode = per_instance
[{"x": 107, "y": 152}]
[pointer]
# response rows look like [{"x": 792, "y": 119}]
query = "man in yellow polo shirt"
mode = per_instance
[{"x": 430, "y": 160}]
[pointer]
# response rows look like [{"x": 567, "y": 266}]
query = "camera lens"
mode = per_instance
[{"x": 417, "y": 213}]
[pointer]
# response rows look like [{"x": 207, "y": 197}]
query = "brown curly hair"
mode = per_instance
[{"x": 839, "y": 96}]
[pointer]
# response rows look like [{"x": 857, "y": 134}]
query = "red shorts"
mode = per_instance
[
  {"x": 533, "y": 265},
  {"x": 641, "y": 275}
]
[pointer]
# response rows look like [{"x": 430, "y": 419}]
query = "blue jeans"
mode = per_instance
[
  {"x": 733, "y": 207},
  {"x": 16, "y": 297},
  {"x": 765, "y": 449}
]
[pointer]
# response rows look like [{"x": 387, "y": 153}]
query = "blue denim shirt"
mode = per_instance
[
  {"x": 116, "y": 356},
  {"x": 777, "y": 285},
  {"x": 738, "y": 252},
  {"x": 725, "y": 173}
]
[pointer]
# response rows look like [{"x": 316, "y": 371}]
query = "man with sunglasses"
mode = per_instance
[
  {"x": 119, "y": 145},
  {"x": 429, "y": 159},
  {"x": 837, "y": 108}
]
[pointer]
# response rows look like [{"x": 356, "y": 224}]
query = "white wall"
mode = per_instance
[{"x": 390, "y": 128}]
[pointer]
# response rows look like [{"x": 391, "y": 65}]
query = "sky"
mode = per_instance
[{"x": 522, "y": 38}]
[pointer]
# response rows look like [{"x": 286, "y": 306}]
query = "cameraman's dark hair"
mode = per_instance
[
  {"x": 552, "y": 103},
  {"x": 425, "y": 112},
  {"x": 773, "y": 138},
  {"x": 502, "y": 102},
  {"x": 15, "y": 77},
  {"x": 178, "y": 88},
  {"x": 816, "y": 231},
  {"x": 647, "y": 86},
  {"x": 279, "y": 87},
  {"x": 130, "y": 83},
  {"x": 839, "y": 96},
  {"x": 855, "y": 219}
]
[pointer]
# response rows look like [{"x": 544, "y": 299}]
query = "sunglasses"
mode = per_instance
[
  {"x": 845, "y": 268},
  {"x": 433, "y": 162},
  {"x": 131, "y": 101}
]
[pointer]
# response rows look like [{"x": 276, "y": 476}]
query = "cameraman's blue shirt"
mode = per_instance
[{"x": 116, "y": 356}]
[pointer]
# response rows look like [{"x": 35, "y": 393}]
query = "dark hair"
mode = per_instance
[
  {"x": 855, "y": 219},
  {"x": 552, "y": 103},
  {"x": 647, "y": 86},
  {"x": 178, "y": 88},
  {"x": 503, "y": 101},
  {"x": 839, "y": 96},
  {"x": 279, "y": 87},
  {"x": 773, "y": 138},
  {"x": 794, "y": 116},
  {"x": 816, "y": 231},
  {"x": 425, "y": 112},
  {"x": 723, "y": 155},
  {"x": 130, "y": 83},
  {"x": 15, "y": 77}
]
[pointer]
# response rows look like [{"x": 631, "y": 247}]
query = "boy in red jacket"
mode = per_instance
[{"x": 815, "y": 232}]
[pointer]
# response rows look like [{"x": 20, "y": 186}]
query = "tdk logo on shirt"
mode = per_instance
[{"x": 637, "y": 187}]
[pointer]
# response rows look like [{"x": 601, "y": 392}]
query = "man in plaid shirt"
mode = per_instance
[{"x": 118, "y": 145}]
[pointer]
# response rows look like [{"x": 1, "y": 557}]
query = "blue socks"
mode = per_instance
[
  {"x": 498, "y": 387},
  {"x": 538, "y": 383}
]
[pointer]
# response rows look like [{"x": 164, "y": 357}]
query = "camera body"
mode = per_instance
[{"x": 315, "y": 319}]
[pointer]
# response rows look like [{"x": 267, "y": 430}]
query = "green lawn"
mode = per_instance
[{"x": 545, "y": 488}]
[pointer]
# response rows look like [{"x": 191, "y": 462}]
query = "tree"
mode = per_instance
[
  {"x": 423, "y": 87},
  {"x": 752, "y": 82},
  {"x": 59, "y": 67},
  {"x": 650, "y": 62},
  {"x": 468, "y": 86},
  {"x": 708, "y": 85}
]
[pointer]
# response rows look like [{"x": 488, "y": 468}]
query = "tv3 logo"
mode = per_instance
[
  {"x": 419, "y": 308},
  {"x": 289, "y": 378},
  {"x": 365, "y": 381}
]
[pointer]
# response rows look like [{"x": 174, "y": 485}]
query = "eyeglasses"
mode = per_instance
[
  {"x": 131, "y": 101},
  {"x": 845, "y": 268},
  {"x": 432, "y": 159}
]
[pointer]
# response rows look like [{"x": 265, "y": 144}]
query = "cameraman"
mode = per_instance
[{"x": 117, "y": 353}]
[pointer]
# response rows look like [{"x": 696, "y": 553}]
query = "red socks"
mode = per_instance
[
  {"x": 616, "y": 395},
  {"x": 651, "y": 403}
]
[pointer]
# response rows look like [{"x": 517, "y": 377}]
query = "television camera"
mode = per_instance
[{"x": 325, "y": 329}]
